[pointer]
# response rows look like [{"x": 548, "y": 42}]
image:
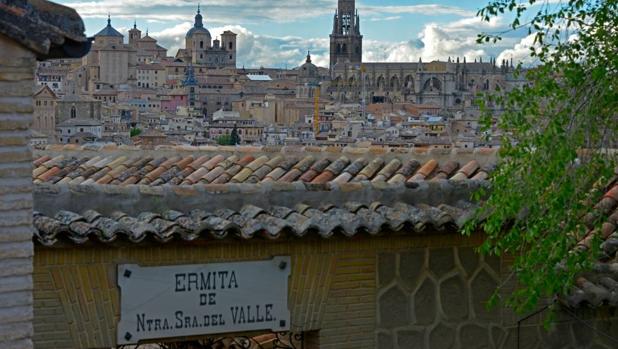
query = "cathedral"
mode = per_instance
[
  {"x": 200, "y": 49},
  {"x": 453, "y": 83}
]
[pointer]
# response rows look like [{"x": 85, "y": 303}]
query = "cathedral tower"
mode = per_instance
[{"x": 346, "y": 41}]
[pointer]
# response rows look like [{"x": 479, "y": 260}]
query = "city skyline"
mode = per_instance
[{"x": 277, "y": 34}]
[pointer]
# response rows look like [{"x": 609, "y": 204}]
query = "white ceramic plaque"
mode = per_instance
[{"x": 201, "y": 299}]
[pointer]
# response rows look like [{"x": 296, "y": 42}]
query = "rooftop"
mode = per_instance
[{"x": 221, "y": 165}]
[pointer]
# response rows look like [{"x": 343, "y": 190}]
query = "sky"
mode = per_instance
[{"x": 278, "y": 33}]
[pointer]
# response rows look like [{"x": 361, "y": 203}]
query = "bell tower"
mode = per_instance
[{"x": 346, "y": 41}]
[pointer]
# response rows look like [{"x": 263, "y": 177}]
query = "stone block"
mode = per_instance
[
  {"x": 387, "y": 268},
  {"x": 12, "y": 332},
  {"x": 425, "y": 303},
  {"x": 16, "y": 283},
  {"x": 441, "y": 261},
  {"x": 442, "y": 337},
  {"x": 394, "y": 308},
  {"x": 15, "y": 154},
  {"x": 482, "y": 288},
  {"x": 468, "y": 259},
  {"x": 411, "y": 265},
  {"x": 453, "y": 298},
  {"x": 410, "y": 339},
  {"x": 384, "y": 341},
  {"x": 22, "y": 86},
  {"x": 14, "y": 122},
  {"x": 472, "y": 336}
]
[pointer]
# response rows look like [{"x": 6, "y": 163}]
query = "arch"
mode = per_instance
[
  {"x": 73, "y": 112},
  {"x": 394, "y": 83},
  {"x": 337, "y": 81},
  {"x": 201, "y": 44},
  {"x": 344, "y": 48},
  {"x": 380, "y": 83},
  {"x": 432, "y": 85},
  {"x": 408, "y": 83}
]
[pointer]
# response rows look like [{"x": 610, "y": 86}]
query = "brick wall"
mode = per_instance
[
  {"x": 16, "y": 83},
  {"x": 332, "y": 289}
]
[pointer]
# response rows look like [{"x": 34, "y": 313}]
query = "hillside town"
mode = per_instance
[{"x": 132, "y": 91}]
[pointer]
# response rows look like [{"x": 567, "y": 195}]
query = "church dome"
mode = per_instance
[
  {"x": 308, "y": 69},
  {"x": 109, "y": 30},
  {"x": 198, "y": 27}
]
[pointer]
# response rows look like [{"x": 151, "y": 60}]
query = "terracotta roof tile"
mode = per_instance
[
  {"x": 424, "y": 171},
  {"x": 387, "y": 171},
  {"x": 177, "y": 167},
  {"x": 368, "y": 171},
  {"x": 446, "y": 169}
]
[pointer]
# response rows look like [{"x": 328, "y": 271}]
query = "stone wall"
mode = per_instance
[
  {"x": 332, "y": 287},
  {"x": 436, "y": 298},
  {"x": 16, "y": 83}
]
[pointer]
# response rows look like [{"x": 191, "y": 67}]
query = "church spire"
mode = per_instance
[
  {"x": 308, "y": 57},
  {"x": 109, "y": 19}
]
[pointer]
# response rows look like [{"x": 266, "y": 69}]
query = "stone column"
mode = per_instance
[{"x": 16, "y": 88}]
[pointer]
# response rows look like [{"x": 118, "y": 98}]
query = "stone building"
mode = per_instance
[
  {"x": 308, "y": 79},
  {"x": 44, "y": 111},
  {"x": 202, "y": 50},
  {"x": 448, "y": 84},
  {"x": 29, "y": 31},
  {"x": 110, "y": 62},
  {"x": 346, "y": 41},
  {"x": 148, "y": 50},
  {"x": 77, "y": 107}
]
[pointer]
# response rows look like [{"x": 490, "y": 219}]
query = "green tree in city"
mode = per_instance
[
  {"x": 135, "y": 132},
  {"x": 224, "y": 140},
  {"x": 556, "y": 132},
  {"x": 235, "y": 137}
]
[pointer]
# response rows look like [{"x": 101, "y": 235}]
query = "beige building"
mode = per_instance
[
  {"x": 44, "y": 111},
  {"x": 111, "y": 62},
  {"x": 77, "y": 107},
  {"x": 147, "y": 48},
  {"x": 151, "y": 75},
  {"x": 200, "y": 49}
]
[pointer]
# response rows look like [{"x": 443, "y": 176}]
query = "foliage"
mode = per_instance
[
  {"x": 556, "y": 130},
  {"x": 225, "y": 140},
  {"x": 135, "y": 132},
  {"x": 235, "y": 137}
]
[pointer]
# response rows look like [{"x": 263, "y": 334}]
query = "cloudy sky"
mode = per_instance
[{"x": 278, "y": 33}]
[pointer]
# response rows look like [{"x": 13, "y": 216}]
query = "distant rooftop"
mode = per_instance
[{"x": 258, "y": 77}]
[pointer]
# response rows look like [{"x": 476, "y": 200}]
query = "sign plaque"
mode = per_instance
[{"x": 202, "y": 299}]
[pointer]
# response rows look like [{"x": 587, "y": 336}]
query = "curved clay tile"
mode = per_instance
[{"x": 424, "y": 171}]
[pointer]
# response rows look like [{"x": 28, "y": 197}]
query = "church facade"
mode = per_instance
[
  {"x": 200, "y": 49},
  {"x": 449, "y": 84}
]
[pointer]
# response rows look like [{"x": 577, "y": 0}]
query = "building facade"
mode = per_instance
[
  {"x": 44, "y": 114},
  {"x": 201, "y": 49},
  {"x": 448, "y": 84}
]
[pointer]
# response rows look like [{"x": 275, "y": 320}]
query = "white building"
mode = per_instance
[{"x": 69, "y": 130}]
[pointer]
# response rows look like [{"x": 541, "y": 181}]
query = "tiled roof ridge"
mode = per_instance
[
  {"x": 375, "y": 150},
  {"x": 249, "y": 222}
]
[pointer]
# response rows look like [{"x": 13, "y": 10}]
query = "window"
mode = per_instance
[
  {"x": 230, "y": 45},
  {"x": 73, "y": 112},
  {"x": 201, "y": 44}
]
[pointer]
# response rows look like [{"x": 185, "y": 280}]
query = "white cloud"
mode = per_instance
[
  {"x": 244, "y": 11},
  {"x": 520, "y": 52}
]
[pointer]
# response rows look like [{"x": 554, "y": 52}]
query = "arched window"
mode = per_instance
[
  {"x": 201, "y": 44},
  {"x": 230, "y": 45},
  {"x": 73, "y": 112}
]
